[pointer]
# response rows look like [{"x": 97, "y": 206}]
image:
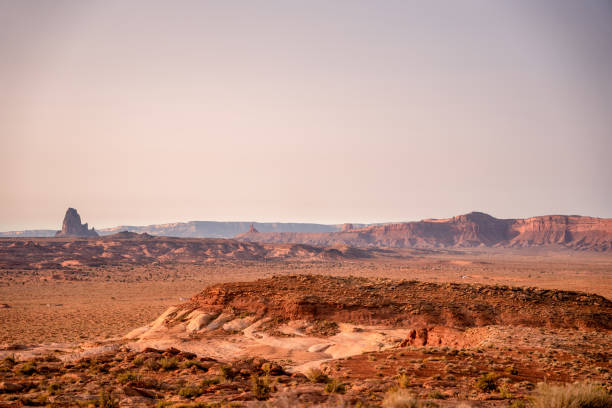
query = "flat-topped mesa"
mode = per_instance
[{"x": 72, "y": 227}]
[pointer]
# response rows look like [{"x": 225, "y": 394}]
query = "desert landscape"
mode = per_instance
[
  {"x": 305, "y": 204},
  {"x": 138, "y": 320}
]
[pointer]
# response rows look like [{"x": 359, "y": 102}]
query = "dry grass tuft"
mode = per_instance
[
  {"x": 400, "y": 398},
  {"x": 579, "y": 395}
]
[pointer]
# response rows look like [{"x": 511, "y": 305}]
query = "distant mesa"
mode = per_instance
[
  {"x": 72, "y": 227},
  {"x": 252, "y": 229},
  {"x": 347, "y": 227},
  {"x": 472, "y": 230}
]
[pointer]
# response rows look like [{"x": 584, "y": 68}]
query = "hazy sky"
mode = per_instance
[{"x": 316, "y": 111}]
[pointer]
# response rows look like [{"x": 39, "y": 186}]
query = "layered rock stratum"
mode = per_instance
[
  {"x": 465, "y": 231},
  {"x": 142, "y": 249},
  {"x": 310, "y": 318}
]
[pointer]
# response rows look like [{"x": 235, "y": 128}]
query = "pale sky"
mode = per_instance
[{"x": 141, "y": 112}]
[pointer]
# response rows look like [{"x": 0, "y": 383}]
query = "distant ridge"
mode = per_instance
[
  {"x": 197, "y": 229},
  {"x": 475, "y": 229}
]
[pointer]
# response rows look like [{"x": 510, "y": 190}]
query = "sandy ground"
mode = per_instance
[{"x": 94, "y": 303}]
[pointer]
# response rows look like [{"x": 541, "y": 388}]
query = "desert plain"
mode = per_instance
[{"x": 294, "y": 324}]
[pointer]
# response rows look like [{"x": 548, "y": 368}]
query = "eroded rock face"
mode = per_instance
[
  {"x": 72, "y": 227},
  {"x": 465, "y": 231}
]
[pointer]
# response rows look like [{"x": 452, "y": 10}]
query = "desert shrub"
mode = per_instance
[
  {"x": 54, "y": 388},
  {"x": 34, "y": 401},
  {"x": 403, "y": 380},
  {"x": 518, "y": 404},
  {"x": 7, "y": 363},
  {"x": 436, "y": 395},
  {"x": 400, "y": 398},
  {"x": 28, "y": 368},
  {"x": 227, "y": 373},
  {"x": 261, "y": 387},
  {"x": 195, "y": 363},
  {"x": 152, "y": 364},
  {"x": 190, "y": 392},
  {"x": 168, "y": 364},
  {"x": 107, "y": 400},
  {"x": 315, "y": 375},
  {"x": 579, "y": 395},
  {"x": 50, "y": 358},
  {"x": 335, "y": 386},
  {"x": 138, "y": 361},
  {"x": 505, "y": 393},
  {"x": 487, "y": 382},
  {"x": 209, "y": 381},
  {"x": 126, "y": 377},
  {"x": 511, "y": 370}
]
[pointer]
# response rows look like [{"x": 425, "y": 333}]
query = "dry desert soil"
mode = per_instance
[{"x": 296, "y": 326}]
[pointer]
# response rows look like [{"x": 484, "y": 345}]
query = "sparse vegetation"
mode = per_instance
[
  {"x": 579, "y": 395},
  {"x": 190, "y": 392},
  {"x": 403, "y": 380},
  {"x": 335, "y": 386},
  {"x": 28, "y": 368},
  {"x": 487, "y": 382},
  {"x": 195, "y": 363},
  {"x": 400, "y": 398},
  {"x": 127, "y": 377},
  {"x": 227, "y": 374},
  {"x": 315, "y": 375},
  {"x": 107, "y": 400},
  {"x": 210, "y": 381},
  {"x": 261, "y": 387},
  {"x": 168, "y": 364}
]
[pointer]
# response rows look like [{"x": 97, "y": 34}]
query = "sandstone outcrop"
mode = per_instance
[
  {"x": 465, "y": 231},
  {"x": 72, "y": 227},
  {"x": 143, "y": 249}
]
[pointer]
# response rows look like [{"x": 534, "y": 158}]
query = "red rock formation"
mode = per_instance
[
  {"x": 465, "y": 231},
  {"x": 72, "y": 227},
  {"x": 347, "y": 227}
]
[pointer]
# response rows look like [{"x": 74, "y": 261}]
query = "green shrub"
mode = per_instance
[
  {"x": 227, "y": 373},
  {"x": 28, "y": 368},
  {"x": 403, "y": 380},
  {"x": 210, "y": 381},
  {"x": 505, "y": 393},
  {"x": 168, "y": 364},
  {"x": 54, "y": 388},
  {"x": 579, "y": 395},
  {"x": 511, "y": 370},
  {"x": 261, "y": 387},
  {"x": 190, "y": 392},
  {"x": 127, "y": 377},
  {"x": 436, "y": 395},
  {"x": 195, "y": 363},
  {"x": 152, "y": 364},
  {"x": 335, "y": 386},
  {"x": 487, "y": 382},
  {"x": 9, "y": 361},
  {"x": 107, "y": 400},
  {"x": 315, "y": 375},
  {"x": 138, "y": 361}
]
